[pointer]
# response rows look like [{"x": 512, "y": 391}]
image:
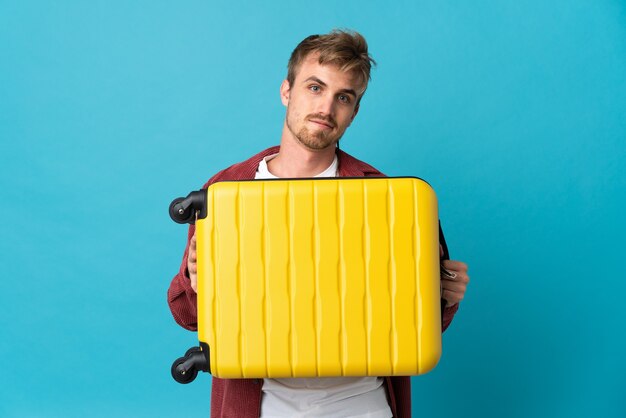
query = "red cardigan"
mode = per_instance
[{"x": 241, "y": 398}]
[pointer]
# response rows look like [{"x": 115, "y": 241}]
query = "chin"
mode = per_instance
[
  {"x": 317, "y": 146},
  {"x": 315, "y": 143}
]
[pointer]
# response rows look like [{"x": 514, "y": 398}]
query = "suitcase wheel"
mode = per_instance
[
  {"x": 184, "y": 210},
  {"x": 181, "y": 213},
  {"x": 185, "y": 369},
  {"x": 181, "y": 374}
]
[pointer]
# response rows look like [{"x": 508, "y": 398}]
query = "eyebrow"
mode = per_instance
[{"x": 320, "y": 82}]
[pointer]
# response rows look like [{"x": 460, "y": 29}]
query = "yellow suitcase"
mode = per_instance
[{"x": 324, "y": 277}]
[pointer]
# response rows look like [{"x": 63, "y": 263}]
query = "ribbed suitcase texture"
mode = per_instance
[{"x": 324, "y": 277}]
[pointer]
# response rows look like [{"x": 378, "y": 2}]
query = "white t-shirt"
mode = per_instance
[
  {"x": 362, "y": 397},
  {"x": 262, "y": 171}
]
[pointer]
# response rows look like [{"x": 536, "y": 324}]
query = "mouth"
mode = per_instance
[{"x": 321, "y": 123}]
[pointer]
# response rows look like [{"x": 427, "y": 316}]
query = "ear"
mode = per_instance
[{"x": 284, "y": 92}]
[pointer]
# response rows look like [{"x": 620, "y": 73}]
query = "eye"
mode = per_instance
[
  {"x": 314, "y": 88},
  {"x": 343, "y": 98}
]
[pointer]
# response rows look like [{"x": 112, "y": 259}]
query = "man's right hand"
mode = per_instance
[{"x": 192, "y": 265}]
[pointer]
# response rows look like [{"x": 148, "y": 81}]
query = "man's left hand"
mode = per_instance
[
  {"x": 454, "y": 285},
  {"x": 453, "y": 281}
]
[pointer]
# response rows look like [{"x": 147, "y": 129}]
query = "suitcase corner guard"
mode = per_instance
[{"x": 185, "y": 369}]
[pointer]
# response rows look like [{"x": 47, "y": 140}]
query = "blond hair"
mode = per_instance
[{"x": 343, "y": 48}]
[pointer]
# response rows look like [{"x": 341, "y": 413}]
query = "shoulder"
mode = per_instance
[
  {"x": 353, "y": 167},
  {"x": 244, "y": 170}
]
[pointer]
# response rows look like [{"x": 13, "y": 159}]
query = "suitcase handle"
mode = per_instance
[{"x": 183, "y": 210}]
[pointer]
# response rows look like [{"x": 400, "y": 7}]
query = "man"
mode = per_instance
[{"x": 327, "y": 77}]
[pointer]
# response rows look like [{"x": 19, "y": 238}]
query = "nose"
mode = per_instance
[{"x": 326, "y": 105}]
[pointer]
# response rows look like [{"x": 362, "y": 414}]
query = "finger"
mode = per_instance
[
  {"x": 192, "y": 255},
  {"x": 455, "y": 265},
  {"x": 453, "y": 286},
  {"x": 459, "y": 277},
  {"x": 452, "y": 297},
  {"x": 447, "y": 274}
]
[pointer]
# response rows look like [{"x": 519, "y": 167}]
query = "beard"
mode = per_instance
[{"x": 315, "y": 139}]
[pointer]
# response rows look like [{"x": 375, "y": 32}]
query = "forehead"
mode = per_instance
[{"x": 330, "y": 74}]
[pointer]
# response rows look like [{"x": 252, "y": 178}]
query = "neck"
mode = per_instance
[{"x": 295, "y": 160}]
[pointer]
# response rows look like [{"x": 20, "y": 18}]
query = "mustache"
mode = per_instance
[{"x": 323, "y": 118}]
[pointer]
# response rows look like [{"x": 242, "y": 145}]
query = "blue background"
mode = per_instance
[{"x": 514, "y": 111}]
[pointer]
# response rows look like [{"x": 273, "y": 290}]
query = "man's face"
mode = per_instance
[{"x": 321, "y": 103}]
